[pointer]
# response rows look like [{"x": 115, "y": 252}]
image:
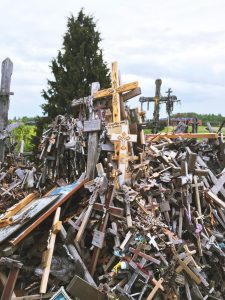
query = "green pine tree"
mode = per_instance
[{"x": 77, "y": 65}]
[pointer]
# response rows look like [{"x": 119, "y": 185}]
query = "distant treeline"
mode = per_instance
[{"x": 215, "y": 120}]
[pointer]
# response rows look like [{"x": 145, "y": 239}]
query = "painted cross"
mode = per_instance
[
  {"x": 123, "y": 138},
  {"x": 115, "y": 91}
]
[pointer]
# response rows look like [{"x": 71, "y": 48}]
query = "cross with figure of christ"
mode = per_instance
[
  {"x": 122, "y": 139},
  {"x": 115, "y": 91}
]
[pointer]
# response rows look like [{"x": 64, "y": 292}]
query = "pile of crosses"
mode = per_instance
[{"x": 145, "y": 219}]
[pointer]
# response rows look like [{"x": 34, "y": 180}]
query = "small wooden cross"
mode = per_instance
[
  {"x": 158, "y": 285},
  {"x": 115, "y": 91}
]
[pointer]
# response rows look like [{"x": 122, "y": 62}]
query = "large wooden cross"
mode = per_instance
[{"x": 116, "y": 91}]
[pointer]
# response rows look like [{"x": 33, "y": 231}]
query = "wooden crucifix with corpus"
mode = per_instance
[{"x": 123, "y": 138}]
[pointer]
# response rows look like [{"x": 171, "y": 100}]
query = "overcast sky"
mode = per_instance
[{"x": 180, "y": 41}]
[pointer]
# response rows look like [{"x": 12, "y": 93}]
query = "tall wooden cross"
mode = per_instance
[
  {"x": 116, "y": 91},
  {"x": 122, "y": 138},
  {"x": 169, "y": 100},
  {"x": 7, "y": 68}
]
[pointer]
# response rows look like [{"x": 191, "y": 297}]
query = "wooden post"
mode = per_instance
[
  {"x": 92, "y": 141},
  {"x": 7, "y": 68}
]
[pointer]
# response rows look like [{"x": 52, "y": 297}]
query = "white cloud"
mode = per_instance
[{"x": 181, "y": 41}]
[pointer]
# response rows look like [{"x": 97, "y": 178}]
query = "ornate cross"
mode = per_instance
[{"x": 123, "y": 138}]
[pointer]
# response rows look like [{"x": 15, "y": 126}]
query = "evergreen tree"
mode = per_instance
[{"x": 77, "y": 65}]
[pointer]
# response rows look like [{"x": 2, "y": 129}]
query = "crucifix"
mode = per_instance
[
  {"x": 123, "y": 138},
  {"x": 169, "y": 100}
]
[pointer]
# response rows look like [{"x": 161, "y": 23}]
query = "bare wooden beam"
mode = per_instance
[{"x": 49, "y": 252}]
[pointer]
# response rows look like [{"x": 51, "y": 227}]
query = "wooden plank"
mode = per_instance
[
  {"x": 171, "y": 135},
  {"x": 119, "y": 89},
  {"x": 216, "y": 199},
  {"x": 47, "y": 213},
  {"x": 103, "y": 93},
  {"x": 131, "y": 94},
  {"x": 50, "y": 249},
  {"x": 26, "y": 214},
  {"x": 127, "y": 87}
]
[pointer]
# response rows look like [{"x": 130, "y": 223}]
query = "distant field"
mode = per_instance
[{"x": 201, "y": 129}]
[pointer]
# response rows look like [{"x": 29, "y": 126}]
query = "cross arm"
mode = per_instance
[{"x": 121, "y": 89}]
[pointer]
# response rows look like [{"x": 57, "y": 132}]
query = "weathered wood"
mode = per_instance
[
  {"x": 78, "y": 261},
  {"x": 216, "y": 199},
  {"x": 50, "y": 249},
  {"x": 171, "y": 135},
  {"x": 102, "y": 228},
  {"x": 14, "y": 267},
  {"x": 3, "y": 280},
  {"x": 7, "y": 68},
  {"x": 63, "y": 198},
  {"x": 219, "y": 184},
  {"x": 7, "y": 217},
  {"x": 131, "y": 94},
  {"x": 93, "y": 139}
]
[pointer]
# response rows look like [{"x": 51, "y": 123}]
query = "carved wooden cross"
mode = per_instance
[
  {"x": 115, "y": 91},
  {"x": 123, "y": 138}
]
